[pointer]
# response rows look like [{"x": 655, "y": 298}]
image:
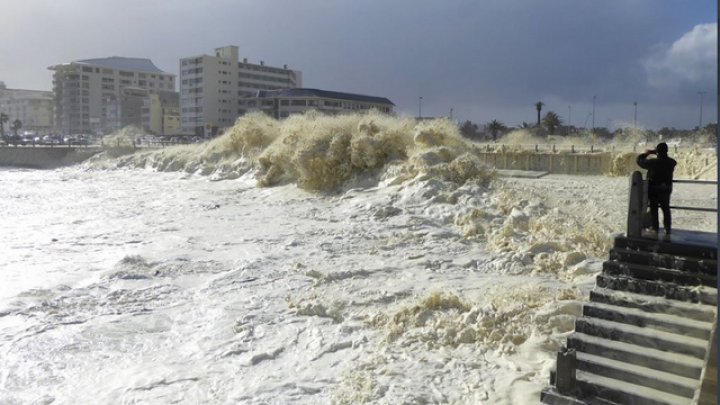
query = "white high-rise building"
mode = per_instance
[
  {"x": 89, "y": 93},
  {"x": 211, "y": 88},
  {"x": 33, "y": 108}
]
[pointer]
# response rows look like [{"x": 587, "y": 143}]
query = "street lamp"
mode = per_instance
[
  {"x": 635, "y": 116},
  {"x": 701, "y": 93},
  {"x": 593, "y": 116},
  {"x": 420, "y": 107}
]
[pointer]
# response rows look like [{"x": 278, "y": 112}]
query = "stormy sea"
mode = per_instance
[{"x": 345, "y": 260}]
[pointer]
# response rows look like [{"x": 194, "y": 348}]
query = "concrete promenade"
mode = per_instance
[{"x": 45, "y": 157}]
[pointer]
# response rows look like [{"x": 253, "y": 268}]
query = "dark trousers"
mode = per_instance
[{"x": 660, "y": 199}]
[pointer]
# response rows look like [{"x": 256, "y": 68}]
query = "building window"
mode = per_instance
[
  {"x": 284, "y": 102},
  {"x": 298, "y": 103}
]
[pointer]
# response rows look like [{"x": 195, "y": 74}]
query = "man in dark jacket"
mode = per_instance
[{"x": 660, "y": 178}]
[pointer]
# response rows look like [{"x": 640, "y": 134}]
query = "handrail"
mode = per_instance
[
  {"x": 701, "y": 209},
  {"x": 679, "y": 207},
  {"x": 638, "y": 202},
  {"x": 695, "y": 181}
]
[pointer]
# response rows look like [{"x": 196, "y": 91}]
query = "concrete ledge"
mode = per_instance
[{"x": 44, "y": 157}]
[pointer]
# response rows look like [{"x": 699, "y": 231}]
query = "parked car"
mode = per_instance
[
  {"x": 51, "y": 140},
  {"x": 15, "y": 140}
]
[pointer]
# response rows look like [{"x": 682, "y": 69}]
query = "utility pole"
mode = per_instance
[
  {"x": 635, "y": 115},
  {"x": 593, "y": 116},
  {"x": 420, "y": 107},
  {"x": 701, "y": 93},
  {"x": 451, "y": 111},
  {"x": 569, "y": 124}
]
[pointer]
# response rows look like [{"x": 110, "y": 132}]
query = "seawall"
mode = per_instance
[
  {"x": 565, "y": 163},
  {"x": 44, "y": 157}
]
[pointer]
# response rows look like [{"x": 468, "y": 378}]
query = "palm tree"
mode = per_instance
[
  {"x": 16, "y": 125},
  {"x": 538, "y": 106},
  {"x": 494, "y": 127},
  {"x": 551, "y": 121},
  {"x": 3, "y": 119}
]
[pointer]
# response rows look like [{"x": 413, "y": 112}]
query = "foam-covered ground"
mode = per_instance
[{"x": 358, "y": 259}]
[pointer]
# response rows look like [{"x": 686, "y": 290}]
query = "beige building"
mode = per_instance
[
  {"x": 89, "y": 94},
  {"x": 211, "y": 87},
  {"x": 161, "y": 113},
  {"x": 283, "y": 103},
  {"x": 33, "y": 108}
]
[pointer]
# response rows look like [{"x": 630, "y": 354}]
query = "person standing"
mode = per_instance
[{"x": 660, "y": 179}]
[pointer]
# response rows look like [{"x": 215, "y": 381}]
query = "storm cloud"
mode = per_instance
[{"x": 484, "y": 60}]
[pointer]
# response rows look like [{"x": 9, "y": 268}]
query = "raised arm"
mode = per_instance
[{"x": 642, "y": 159}]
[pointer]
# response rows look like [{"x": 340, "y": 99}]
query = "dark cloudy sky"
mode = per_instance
[{"x": 485, "y": 59}]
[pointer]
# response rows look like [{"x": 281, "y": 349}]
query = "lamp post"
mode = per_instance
[
  {"x": 420, "y": 107},
  {"x": 593, "y": 116},
  {"x": 635, "y": 115},
  {"x": 701, "y": 93}
]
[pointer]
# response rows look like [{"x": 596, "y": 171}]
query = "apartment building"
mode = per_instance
[
  {"x": 161, "y": 113},
  {"x": 283, "y": 103},
  {"x": 212, "y": 85},
  {"x": 33, "y": 108},
  {"x": 89, "y": 94}
]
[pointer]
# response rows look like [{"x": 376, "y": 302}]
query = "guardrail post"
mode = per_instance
[{"x": 636, "y": 206}]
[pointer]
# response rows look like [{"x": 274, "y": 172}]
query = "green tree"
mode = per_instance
[
  {"x": 551, "y": 121},
  {"x": 16, "y": 125},
  {"x": 538, "y": 106},
  {"x": 469, "y": 129},
  {"x": 3, "y": 119},
  {"x": 494, "y": 127}
]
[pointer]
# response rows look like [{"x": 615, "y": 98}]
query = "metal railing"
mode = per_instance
[
  {"x": 581, "y": 148},
  {"x": 638, "y": 202}
]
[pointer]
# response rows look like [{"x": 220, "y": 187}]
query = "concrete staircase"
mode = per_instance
[{"x": 646, "y": 334}]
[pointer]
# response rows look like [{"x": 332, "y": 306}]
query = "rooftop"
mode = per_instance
[
  {"x": 302, "y": 92},
  {"x": 123, "y": 63}
]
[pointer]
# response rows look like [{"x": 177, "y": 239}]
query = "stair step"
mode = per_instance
[
  {"x": 647, "y": 303},
  {"x": 674, "y": 363},
  {"x": 623, "y": 392},
  {"x": 550, "y": 396},
  {"x": 682, "y": 243},
  {"x": 668, "y": 261},
  {"x": 655, "y": 339},
  {"x": 677, "y": 324},
  {"x": 702, "y": 294},
  {"x": 658, "y": 274},
  {"x": 642, "y": 376}
]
